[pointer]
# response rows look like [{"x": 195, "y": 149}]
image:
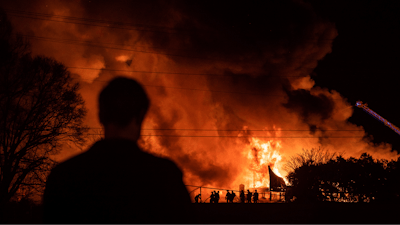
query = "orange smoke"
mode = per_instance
[{"x": 219, "y": 83}]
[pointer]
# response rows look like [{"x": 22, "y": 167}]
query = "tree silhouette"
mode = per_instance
[
  {"x": 40, "y": 112},
  {"x": 346, "y": 180},
  {"x": 312, "y": 156}
]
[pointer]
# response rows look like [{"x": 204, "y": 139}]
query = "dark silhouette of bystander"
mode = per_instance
[{"x": 105, "y": 184}]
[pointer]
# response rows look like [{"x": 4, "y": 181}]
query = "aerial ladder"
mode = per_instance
[{"x": 364, "y": 106}]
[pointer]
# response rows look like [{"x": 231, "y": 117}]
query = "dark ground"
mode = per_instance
[
  {"x": 298, "y": 213},
  {"x": 261, "y": 213}
]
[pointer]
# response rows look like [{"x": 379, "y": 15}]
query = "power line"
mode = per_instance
[
  {"x": 89, "y": 19},
  {"x": 94, "y": 128},
  {"x": 102, "y": 45},
  {"x": 91, "y": 42},
  {"x": 122, "y": 49},
  {"x": 193, "y": 89},
  {"x": 86, "y": 43},
  {"x": 203, "y": 90},
  {"x": 222, "y": 136},
  {"x": 88, "y": 23},
  {"x": 37, "y": 15},
  {"x": 174, "y": 73}
]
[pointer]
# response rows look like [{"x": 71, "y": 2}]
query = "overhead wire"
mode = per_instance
[
  {"x": 228, "y": 136},
  {"x": 83, "y": 22},
  {"x": 122, "y": 49},
  {"x": 94, "y": 45},
  {"x": 172, "y": 73},
  {"x": 90, "y": 20},
  {"x": 99, "y": 128},
  {"x": 222, "y": 136}
]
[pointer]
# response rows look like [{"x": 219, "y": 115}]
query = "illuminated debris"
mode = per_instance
[{"x": 276, "y": 182}]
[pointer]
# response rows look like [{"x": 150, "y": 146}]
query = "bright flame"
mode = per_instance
[{"x": 261, "y": 155}]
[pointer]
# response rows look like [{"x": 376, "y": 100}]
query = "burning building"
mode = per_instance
[{"x": 232, "y": 93}]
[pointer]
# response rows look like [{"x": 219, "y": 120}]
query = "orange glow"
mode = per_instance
[
  {"x": 261, "y": 155},
  {"x": 196, "y": 116}
]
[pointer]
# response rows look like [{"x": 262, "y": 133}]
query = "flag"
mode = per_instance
[{"x": 275, "y": 181}]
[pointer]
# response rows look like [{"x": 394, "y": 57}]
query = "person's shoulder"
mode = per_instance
[{"x": 73, "y": 163}]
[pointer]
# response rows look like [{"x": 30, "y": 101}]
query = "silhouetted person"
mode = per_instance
[
  {"x": 196, "y": 199},
  {"x": 104, "y": 184},
  {"x": 249, "y": 196},
  {"x": 212, "y": 197},
  {"x": 242, "y": 196},
  {"x": 228, "y": 196},
  {"x": 255, "y": 196},
  {"x": 233, "y": 195},
  {"x": 217, "y": 197}
]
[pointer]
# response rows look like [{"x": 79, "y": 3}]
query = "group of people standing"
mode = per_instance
[
  {"x": 214, "y": 197},
  {"x": 230, "y": 196},
  {"x": 243, "y": 197}
]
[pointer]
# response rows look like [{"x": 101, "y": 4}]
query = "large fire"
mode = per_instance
[
  {"x": 207, "y": 80},
  {"x": 261, "y": 155}
]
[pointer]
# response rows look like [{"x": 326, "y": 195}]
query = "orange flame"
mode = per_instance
[{"x": 261, "y": 155}]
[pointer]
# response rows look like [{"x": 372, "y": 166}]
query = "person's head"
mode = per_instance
[
  {"x": 255, "y": 190},
  {"x": 123, "y": 103}
]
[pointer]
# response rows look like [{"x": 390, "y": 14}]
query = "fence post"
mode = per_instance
[{"x": 200, "y": 194}]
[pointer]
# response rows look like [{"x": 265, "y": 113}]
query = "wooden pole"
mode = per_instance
[{"x": 200, "y": 194}]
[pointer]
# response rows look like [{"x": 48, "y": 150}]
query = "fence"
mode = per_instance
[{"x": 263, "y": 196}]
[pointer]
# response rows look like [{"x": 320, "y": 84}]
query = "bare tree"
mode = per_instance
[
  {"x": 312, "y": 156},
  {"x": 40, "y": 111}
]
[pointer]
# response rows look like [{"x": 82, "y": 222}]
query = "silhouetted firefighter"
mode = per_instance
[
  {"x": 217, "y": 197},
  {"x": 255, "y": 196},
  {"x": 242, "y": 196},
  {"x": 196, "y": 199},
  {"x": 212, "y": 197},
  {"x": 233, "y": 195},
  {"x": 249, "y": 196},
  {"x": 101, "y": 184},
  {"x": 228, "y": 196}
]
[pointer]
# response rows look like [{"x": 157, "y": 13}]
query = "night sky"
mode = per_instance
[
  {"x": 298, "y": 66},
  {"x": 363, "y": 62}
]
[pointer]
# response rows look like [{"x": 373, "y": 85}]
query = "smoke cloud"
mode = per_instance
[{"x": 234, "y": 69}]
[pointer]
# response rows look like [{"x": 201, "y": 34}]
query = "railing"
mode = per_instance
[{"x": 266, "y": 196}]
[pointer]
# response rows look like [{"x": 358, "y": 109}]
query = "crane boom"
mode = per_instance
[{"x": 359, "y": 104}]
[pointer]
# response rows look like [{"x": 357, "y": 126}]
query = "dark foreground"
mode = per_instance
[
  {"x": 298, "y": 213},
  {"x": 260, "y": 213}
]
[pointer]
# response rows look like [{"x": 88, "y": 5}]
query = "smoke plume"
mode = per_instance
[{"x": 234, "y": 70}]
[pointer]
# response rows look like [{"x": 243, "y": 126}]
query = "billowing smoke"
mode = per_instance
[{"x": 236, "y": 69}]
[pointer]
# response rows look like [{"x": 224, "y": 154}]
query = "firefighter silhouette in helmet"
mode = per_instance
[
  {"x": 196, "y": 199},
  {"x": 216, "y": 197},
  {"x": 233, "y": 195},
  {"x": 255, "y": 196},
  {"x": 242, "y": 196},
  {"x": 228, "y": 196},
  {"x": 249, "y": 195}
]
